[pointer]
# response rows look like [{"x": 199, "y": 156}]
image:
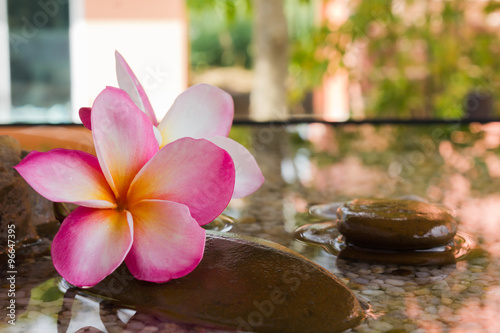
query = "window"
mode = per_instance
[{"x": 39, "y": 62}]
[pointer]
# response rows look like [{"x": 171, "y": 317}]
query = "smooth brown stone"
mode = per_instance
[
  {"x": 246, "y": 284},
  {"x": 42, "y": 210},
  {"x": 411, "y": 258},
  {"x": 15, "y": 206},
  {"x": 395, "y": 224},
  {"x": 20, "y": 205}
]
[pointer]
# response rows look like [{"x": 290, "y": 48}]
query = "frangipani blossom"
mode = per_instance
[
  {"x": 138, "y": 203},
  {"x": 201, "y": 112}
]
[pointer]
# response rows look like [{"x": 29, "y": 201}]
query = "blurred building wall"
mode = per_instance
[
  {"x": 331, "y": 100},
  {"x": 4, "y": 64},
  {"x": 150, "y": 34}
]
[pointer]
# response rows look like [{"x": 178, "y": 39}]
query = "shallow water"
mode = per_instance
[
  {"x": 327, "y": 236},
  {"x": 307, "y": 165}
]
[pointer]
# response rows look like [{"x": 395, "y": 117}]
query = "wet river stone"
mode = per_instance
[
  {"x": 245, "y": 284},
  {"x": 442, "y": 257},
  {"x": 395, "y": 224},
  {"x": 21, "y": 207},
  {"x": 15, "y": 205}
]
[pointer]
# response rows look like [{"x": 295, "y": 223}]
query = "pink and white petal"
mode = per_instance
[
  {"x": 91, "y": 244},
  {"x": 84, "y": 114},
  {"x": 129, "y": 82},
  {"x": 248, "y": 175},
  {"x": 168, "y": 242},
  {"x": 123, "y": 137},
  {"x": 64, "y": 175},
  {"x": 158, "y": 137},
  {"x": 193, "y": 172},
  {"x": 201, "y": 112}
]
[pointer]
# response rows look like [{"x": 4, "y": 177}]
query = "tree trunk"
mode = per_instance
[{"x": 270, "y": 35}]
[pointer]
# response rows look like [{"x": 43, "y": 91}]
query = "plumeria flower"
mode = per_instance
[
  {"x": 138, "y": 203},
  {"x": 201, "y": 112}
]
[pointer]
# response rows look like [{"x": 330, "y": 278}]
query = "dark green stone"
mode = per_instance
[
  {"x": 246, "y": 284},
  {"x": 395, "y": 224}
]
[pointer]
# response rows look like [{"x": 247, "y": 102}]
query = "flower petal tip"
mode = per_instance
[
  {"x": 85, "y": 117},
  {"x": 201, "y": 112},
  {"x": 84, "y": 252},
  {"x": 168, "y": 244},
  {"x": 128, "y": 81},
  {"x": 248, "y": 174}
]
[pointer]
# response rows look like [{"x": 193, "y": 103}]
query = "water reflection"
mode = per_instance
[
  {"x": 265, "y": 208},
  {"x": 222, "y": 223},
  {"x": 345, "y": 162},
  {"x": 326, "y": 211},
  {"x": 80, "y": 311},
  {"x": 327, "y": 236},
  {"x": 458, "y": 165}
]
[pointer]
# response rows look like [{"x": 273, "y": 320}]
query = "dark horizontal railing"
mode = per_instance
[{"x": 295, "y": 121}]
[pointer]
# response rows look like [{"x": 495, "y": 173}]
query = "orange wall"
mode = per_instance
[
  {"x": 43, "y": 138},
  {"x": 134, "y": 9}
]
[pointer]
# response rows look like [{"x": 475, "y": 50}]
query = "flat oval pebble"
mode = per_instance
[
  {"x": 395, "y": 224},
  {"x": 246, "y": 284}
]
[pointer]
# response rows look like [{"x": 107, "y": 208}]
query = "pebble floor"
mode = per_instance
[
  {"x": 463, "y": 297},
  {"x": 344, "y": 163}
]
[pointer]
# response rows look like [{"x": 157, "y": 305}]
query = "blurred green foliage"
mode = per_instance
[
  {"x": 421, "y": 58},
  {"x": 47, "y": 291},
  {"x": 308, "y": 39},
  {"x": 220, "y": 33},
  {"x": 411, "y": 59},
  {"x": 221, "y": 36}
]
